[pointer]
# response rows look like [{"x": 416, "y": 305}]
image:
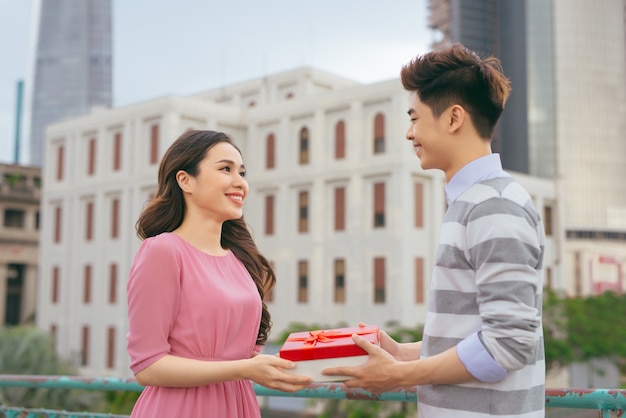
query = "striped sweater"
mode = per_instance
[{"x": 486, "y": 293}]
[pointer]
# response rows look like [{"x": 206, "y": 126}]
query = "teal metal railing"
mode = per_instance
[{"x": 605, "y": 401}]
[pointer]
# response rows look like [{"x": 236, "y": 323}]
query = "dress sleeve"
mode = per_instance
[{"x": 153, "y": 302}]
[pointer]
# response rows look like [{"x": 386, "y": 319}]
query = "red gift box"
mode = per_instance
[{"x": 315, "y": 350}]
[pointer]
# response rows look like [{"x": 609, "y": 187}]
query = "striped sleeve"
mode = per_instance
[{"x": 505, "y": 249}]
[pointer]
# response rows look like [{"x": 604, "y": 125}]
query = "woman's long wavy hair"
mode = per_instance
[{"x": 166, "y": 210}]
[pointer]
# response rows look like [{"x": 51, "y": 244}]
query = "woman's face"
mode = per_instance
[{"x": 219, "y": 189}]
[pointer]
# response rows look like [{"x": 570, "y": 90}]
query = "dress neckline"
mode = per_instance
[{"x": 188, "y": 244}]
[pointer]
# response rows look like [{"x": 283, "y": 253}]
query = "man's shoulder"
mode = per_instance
[
  {"x": 496, "y": 188},
  {"x": 496, "y": 196}
]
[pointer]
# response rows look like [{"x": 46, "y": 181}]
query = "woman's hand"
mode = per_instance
[{"x": 268, "y": 371}]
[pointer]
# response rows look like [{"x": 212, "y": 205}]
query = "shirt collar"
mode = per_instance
[{"x": 483, "y": 168}]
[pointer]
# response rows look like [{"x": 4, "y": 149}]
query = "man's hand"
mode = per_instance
[
  {"x": 400, "y": 351},
  {"x": 379, "y": 374}
]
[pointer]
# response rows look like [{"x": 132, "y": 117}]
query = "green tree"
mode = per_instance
[
  {"x": 26, "y": 350},
  {"x": 582, "y": 328},
  {"x": 595, "y": 326},
  {"x": 558, "y": 350},
  {"x": 121, "y": 402}
]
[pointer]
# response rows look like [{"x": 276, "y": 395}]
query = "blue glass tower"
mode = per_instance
[{"x": 73, "y": 65}]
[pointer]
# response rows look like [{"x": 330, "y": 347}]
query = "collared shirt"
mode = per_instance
[
  {"x": 471, "y": 350},
  {"x": 487, "y": 266},
  {"x": 483, "y": 168}
]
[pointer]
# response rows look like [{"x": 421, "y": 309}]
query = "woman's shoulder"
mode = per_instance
[
  {"x": 165, "y": 238},
  {"x": 162, "y": 244}
]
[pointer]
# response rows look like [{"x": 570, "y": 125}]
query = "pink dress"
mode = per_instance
[{"x": 184, "y": 302}]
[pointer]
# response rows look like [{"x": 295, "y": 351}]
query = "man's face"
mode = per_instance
[{"x": 428, "y": 134}]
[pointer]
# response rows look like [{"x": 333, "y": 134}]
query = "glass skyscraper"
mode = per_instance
[
  {"x": 73, "y": 65},
  {"x": 566, "y": 117}
]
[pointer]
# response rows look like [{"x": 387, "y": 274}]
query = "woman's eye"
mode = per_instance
[
  {"x": 242, "y": 174},
  {"x": 226, "y": 169}
]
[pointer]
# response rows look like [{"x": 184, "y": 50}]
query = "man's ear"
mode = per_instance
[
  {"x": 456, "y": 118},
  {"x": 182, "y": 178}
]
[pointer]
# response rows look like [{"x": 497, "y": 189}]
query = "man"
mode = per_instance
[{"x": 482, "y": 350}]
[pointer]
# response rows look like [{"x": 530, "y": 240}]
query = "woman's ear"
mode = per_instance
[
  {"x": 182, "y": 178},
  {"x": 456, "y": 118}
]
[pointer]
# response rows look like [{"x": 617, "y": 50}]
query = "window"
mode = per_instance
[
  {"x": 547, "y": 219},
  {"x": 269, "y": 295},
  {"x": 14, "y": 218},
  {"x": 89, "y": 221},
  {"x": 340, "y": 140},
  {"x": 115, "y": 216},
  {"x": 111, "y": 347},
  {"x": 37, "y": 217},
  {"x": 419, "y": 205},
  {"x": 84, "y": 352},
  {"x": 270, "y": 149},
  {"x": 269, "y": 214},
  {"x": 379, "y": 133},
  {"x": 303, "y": 212},
  {"x": 91, "y": 157},
  {"x": 60, "y": 162},
  {"x": 117, "y": 151},
  {"x": 379, "y": 205},
  {"x": 303, "y": 281},
  {"x": 379, "y": 280},
  {"x": 113, "y": 283},
  {"x": 54, "y": 297},
  {"x": 53, "y": 331},
  {"x": 304, "y": 146},
  {"x": 57, "y": 223},
  {"x": 419, "y": 280},
  {"x": 340, "y": 208},
  {"x": 14, "y": 292},
  {"x": 87, "y": 284},
  {"x": 154, "y": 144},
  {"x": 340, "y": 280}
]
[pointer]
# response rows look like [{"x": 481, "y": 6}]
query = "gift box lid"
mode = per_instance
[{"x": 322, "y": 344}]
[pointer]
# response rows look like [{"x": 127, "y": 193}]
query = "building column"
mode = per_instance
[
  {"x": 4, "y": 277},
  {"x": 29, "y": 294}
]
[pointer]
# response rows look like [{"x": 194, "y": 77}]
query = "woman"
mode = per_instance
[{"x": 195, "y": 291}]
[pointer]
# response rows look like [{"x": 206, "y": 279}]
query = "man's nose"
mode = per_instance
[{"x": 409, "y": 134}]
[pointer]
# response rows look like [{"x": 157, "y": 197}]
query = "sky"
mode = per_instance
[{"x": 162, "y": 47}]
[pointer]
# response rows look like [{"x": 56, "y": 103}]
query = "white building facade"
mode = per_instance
[{"x": 338, "y": 203}]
